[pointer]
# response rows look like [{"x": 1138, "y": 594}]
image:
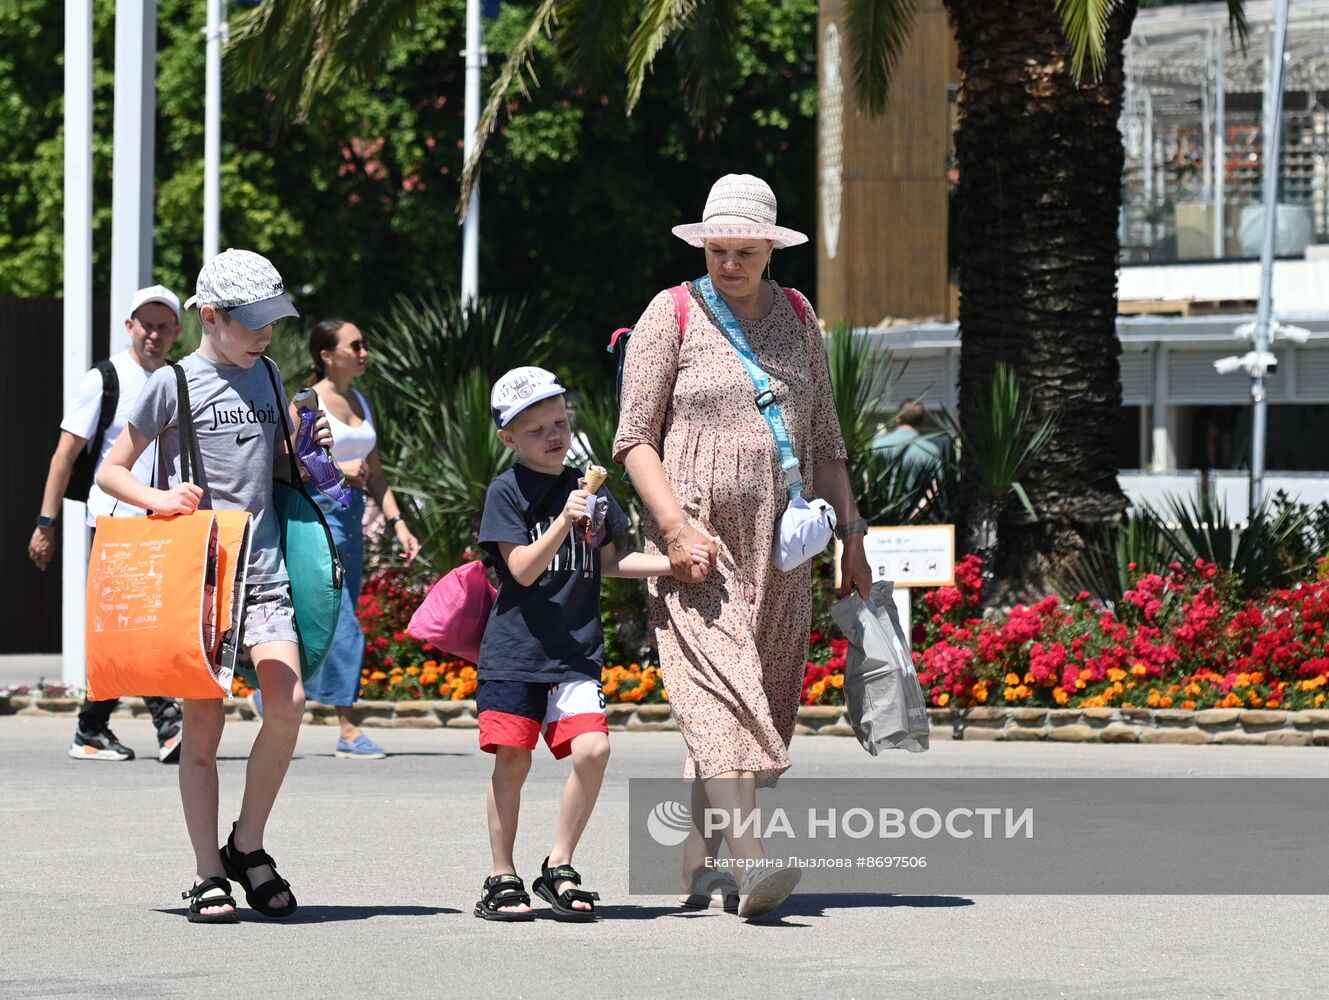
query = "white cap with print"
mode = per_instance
[
  {"x": 246, "y": 285},
  {"x": 520, "y": 388}
]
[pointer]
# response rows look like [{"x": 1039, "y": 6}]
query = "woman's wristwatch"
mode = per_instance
[
  {"x": 394, "y": 520},
  {"x": 859, "y": 527}
]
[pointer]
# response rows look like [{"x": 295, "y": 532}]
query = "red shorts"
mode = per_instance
[{"x": 513, "y": 713}]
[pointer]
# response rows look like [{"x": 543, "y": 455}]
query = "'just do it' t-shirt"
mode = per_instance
[{"x": 239, "y": 429}]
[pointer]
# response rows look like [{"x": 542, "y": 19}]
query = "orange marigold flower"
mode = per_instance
[
  {"x": 1012, "y": 679},
  {"x": 1188, "y": 705},
  {"x": 378, "y": 675}
]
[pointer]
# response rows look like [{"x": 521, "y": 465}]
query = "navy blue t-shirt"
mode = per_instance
[{"x": 551, "y": 630}]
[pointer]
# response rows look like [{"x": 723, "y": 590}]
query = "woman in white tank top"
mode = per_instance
[{"x": 339, "y": 353}]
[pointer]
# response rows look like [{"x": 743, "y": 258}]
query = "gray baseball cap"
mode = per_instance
[{"x": 246, "y": 285}]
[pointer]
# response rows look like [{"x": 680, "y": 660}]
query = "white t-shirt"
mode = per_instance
[{"x": 81, "y": 420}]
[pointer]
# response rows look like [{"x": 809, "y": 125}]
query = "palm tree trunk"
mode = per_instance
[{"x": 1040, "y": 162}]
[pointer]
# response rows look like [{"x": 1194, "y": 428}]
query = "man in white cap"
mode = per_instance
[{"x": 89, "y": 428}]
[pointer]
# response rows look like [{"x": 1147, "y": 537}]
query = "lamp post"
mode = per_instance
[
  {"x": 133, "y": 174},
  {"x": 77, "y": 312},
  {"x": 470, "y": 234},
  {"x": 1260, "y": 359},
  {"x": 1273, "y": 116},
  {"x": 215, "y": 33}
]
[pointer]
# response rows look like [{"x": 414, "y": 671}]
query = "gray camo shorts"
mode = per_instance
[{"x": 269, "y": 615}]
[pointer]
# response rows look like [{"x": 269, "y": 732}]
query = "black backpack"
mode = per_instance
[{"x": 80, "y": 477}]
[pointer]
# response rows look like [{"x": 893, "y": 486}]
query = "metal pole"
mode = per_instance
[
  {"x": 1148, "y": 158},
  {"x": 1207, "y": 119},
  {"x": 1273, "y": 113},
  {"x": 132, "y": 183},
  {"x": 1220, "y": 149},
  {"x": 215, "y": 34},
  {"x": 470, "y": 241},
  {"x": 78, "y": 314}
]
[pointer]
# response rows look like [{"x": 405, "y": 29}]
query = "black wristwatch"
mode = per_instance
[
  {"x": 859, "y": 527},
  {"x": 45, "y": 522},
  {"x": 394, "y": 520}
]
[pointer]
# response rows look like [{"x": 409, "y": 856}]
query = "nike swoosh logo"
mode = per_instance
[{"x": 242, "y": 440}]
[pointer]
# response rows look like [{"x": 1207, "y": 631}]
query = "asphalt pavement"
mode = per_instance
[{"x": 387, "y": 858}]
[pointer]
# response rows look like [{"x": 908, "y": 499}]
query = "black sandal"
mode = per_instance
[
  {"x": 197, "y": 904},
  {"x": 237, "y": 866},
  {"x": 500, "y": 891},
  {"x": 562, "y": 902}
]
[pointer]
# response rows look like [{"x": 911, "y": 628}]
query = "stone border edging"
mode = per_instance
[{"x": 1232, "y": 726}]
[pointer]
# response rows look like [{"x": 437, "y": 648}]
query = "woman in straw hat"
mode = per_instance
[{"x": 733, "y": 638}]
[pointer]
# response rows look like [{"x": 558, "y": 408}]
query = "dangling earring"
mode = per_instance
[{"x": 768, "y": 268}]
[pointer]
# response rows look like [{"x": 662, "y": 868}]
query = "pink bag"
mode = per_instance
[{"x": 454, "y": 613}]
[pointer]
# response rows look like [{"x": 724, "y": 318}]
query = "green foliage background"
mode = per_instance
[{"x": 356, "y": 205}]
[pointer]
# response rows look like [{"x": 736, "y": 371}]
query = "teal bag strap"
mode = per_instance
[{"x": 766, "y": 401}]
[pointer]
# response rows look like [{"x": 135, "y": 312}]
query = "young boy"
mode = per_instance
[
  {"x": 543, "y": 648},
  {"x": 240, "y": 296}
]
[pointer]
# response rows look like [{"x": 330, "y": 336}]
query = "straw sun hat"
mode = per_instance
[{"x": 739, "y": 206}]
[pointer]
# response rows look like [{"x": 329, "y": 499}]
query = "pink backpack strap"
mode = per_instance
[
  {"x": 682, "y": 301},
  {"x": 799, "y": 303}
]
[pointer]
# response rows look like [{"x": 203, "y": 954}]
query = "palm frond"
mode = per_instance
[
  {"x": 707, "y": 60},
  {"x": 596, "y": 418},
  {"x": 517, "y": 69},
  {"x": 850, "y": 365},
  {"x": 1237, "y": 23},
  {"x": 303, "y": 51},
  {"x": 1000, "y": 441},
  {"x": 1104, "y": 568},
  {"x": 1085, "y": 23},
  {"x": 876, "y": 34},
  {"x": 659, "y": 19},
  {"x": 592, "y": 37}
]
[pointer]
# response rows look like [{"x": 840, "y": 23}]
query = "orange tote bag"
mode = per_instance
[
  {"x": 165, "y": 604},
  {"x": 166, "y": 594}
]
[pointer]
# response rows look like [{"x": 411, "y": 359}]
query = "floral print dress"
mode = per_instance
[{"x": 733, "y": 648}]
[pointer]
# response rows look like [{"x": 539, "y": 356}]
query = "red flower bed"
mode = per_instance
[{"x": 1180, "y": 639}]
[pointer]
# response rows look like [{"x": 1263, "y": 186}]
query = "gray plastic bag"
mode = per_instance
[{"x": 881, "y": 689}]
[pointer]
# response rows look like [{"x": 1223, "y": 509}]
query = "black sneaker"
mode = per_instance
[
  {"x": 168, "y": 743},
  {"x": 98, "y": 746}
]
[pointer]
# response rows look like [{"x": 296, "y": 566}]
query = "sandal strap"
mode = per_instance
[
  {"x": 265, "y": 892},
  {"x": 251, "y": 860},
  {"x": 560, "y": 873},
  {"x": 578, "y": 895},
  {"x": 196, "y": 892},
  {"x": 505, "y": 890}
]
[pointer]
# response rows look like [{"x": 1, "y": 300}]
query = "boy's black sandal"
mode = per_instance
[
  {"x": 500, "y": 891},
  {"x": 259, "y": 897},
  {"x": 197, "y": 904},
  {"x": 562, "y": 902}
]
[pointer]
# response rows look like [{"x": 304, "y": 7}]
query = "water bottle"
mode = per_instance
[{"x": 323, "y": 471}]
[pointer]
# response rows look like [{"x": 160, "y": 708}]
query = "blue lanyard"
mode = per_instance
[{"x": 766, "y": 402}]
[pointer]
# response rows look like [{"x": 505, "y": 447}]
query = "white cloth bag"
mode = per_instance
[{"x": 806, "y": 528}]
